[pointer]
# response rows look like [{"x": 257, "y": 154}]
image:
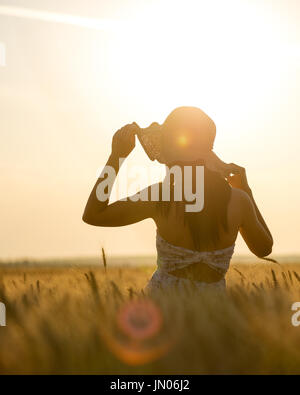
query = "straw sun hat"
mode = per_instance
[{"x": 187, "y": 135}]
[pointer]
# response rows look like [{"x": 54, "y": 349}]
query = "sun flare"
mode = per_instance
[
  {"x": 182, "y": 140},
  {"x": 174, "y": 60}
]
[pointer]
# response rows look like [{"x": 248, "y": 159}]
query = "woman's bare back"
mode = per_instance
[{"x": 172, "y": 229}]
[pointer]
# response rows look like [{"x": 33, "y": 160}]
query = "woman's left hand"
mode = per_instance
[{"x": 123, "y": 141}]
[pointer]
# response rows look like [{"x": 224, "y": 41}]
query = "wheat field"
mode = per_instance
[{"x": 74, "y": 320}]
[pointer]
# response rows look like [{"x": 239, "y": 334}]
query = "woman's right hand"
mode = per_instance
[
  {"x": 234, "y": 174},
  {"x": 237, "y": 177}
]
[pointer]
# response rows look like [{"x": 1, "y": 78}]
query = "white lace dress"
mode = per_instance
[{"x": 171, "y": 257}]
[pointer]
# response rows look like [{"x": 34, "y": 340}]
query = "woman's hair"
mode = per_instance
[
  {"x": 192, "y": 118},
  {"x": 205, "y": 226}
]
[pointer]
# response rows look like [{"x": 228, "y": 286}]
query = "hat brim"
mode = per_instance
[{"x": 151, "y": 140}]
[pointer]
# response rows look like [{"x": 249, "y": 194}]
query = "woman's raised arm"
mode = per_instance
[{"x": 98, "y": 211}]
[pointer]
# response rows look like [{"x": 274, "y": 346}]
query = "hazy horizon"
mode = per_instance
[
  {"x": 133, "y": 261},
  {"x": 69, "y": 83}
]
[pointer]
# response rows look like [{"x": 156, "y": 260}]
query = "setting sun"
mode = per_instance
[
  {"x": 182, "y": 140},
  {"x": 222, "y": 50}
]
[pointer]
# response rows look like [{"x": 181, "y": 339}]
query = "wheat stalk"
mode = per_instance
[{"x": 104, "y": 260}]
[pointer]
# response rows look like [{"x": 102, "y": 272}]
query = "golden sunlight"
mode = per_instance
[
  {"x": 182, "y": 140},
  {"x": 218, "y": 58}
]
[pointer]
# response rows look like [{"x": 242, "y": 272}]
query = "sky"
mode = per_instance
[{"x": 73, "y": 72}]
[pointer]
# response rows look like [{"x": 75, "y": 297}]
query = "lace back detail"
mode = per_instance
[{"x": 171, "y": 257}]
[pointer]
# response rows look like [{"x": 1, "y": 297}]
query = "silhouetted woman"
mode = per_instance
[{"x": 194, "y": 249}]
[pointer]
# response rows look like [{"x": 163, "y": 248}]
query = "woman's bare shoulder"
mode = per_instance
[
  {"x": 238, "y": 194},
  {"x": 240, "y": 200}
]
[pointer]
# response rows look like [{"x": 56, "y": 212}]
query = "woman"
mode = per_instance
[{"x": 194, "y": 248}]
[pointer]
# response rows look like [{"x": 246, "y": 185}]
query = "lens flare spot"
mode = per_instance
[{"x": 140, "y": 320}]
